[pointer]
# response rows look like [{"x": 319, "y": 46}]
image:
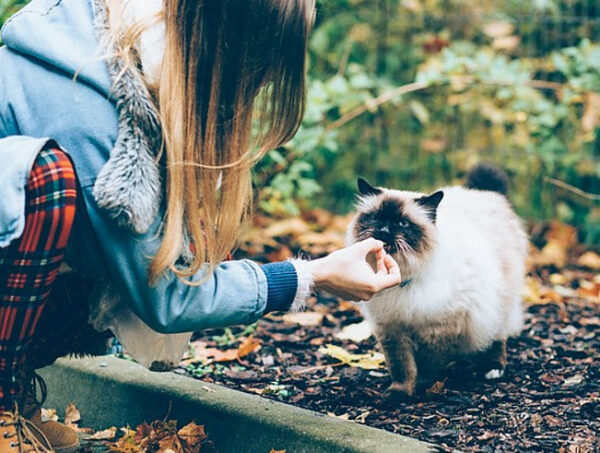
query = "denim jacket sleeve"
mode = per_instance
[{"x": 237, "y": 292}]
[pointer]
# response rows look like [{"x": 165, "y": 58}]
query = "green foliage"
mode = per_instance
[{"x": 512, "y": 82}]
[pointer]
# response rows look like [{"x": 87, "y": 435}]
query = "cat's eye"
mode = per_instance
[{"x": 403, "y": 223}]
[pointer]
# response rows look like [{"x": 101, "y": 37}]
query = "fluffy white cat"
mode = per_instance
[{"x": 461, "y": 251}]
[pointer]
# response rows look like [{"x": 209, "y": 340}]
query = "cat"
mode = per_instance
[{"x": 461, "y": 253}]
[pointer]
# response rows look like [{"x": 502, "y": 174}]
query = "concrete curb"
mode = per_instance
[{"x": 111, "y": 391}]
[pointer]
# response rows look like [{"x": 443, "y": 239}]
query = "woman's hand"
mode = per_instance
[{"x": 347, "y": 274}]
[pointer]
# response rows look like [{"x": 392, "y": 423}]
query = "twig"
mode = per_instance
[
  {"x": 345, "y": 58},
  {"x": 572, "y": 189},
  {"x": 317, "y": 368},
  {"x": 418, "y": 86},
  {"x": 373, "y": 103}
]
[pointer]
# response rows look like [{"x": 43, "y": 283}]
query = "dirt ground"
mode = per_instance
[{"x": 548, "y": 399}]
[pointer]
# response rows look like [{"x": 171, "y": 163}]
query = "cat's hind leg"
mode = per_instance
[
  {"x": 398, "y": 349},
  {"x": 492, "y": 362}
]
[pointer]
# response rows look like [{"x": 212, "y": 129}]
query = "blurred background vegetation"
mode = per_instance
[{"x": 412, "y": 93}]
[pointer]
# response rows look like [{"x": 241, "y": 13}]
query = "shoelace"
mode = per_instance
[
  {"x": 28, "y": 435},
  {"x": 29, "y": 401},
  {"x": 36, "y": 381}
]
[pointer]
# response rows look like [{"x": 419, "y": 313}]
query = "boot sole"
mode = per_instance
[{"x": 67, "y": 448}]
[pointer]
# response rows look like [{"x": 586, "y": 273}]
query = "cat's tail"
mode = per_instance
[{"x": 485, "y": 176}]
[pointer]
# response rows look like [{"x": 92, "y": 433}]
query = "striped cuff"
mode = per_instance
[{"x": 282, "y": 283}]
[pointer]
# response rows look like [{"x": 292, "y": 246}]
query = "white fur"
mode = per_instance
[
  {"x": 474, "y": 272},
  {"x": 494, "y": 374},
  {"x": 151, "y": 45},
  {"x": 305, "y": 284}
]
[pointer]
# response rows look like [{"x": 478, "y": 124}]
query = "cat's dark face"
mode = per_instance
[{"x": 404, "y": 221}]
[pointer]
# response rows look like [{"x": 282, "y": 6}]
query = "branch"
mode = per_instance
[
  {"x": 418, "y": 86},
  {"x": 572, "y": 189}
]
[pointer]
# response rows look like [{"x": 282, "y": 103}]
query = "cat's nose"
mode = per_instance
[{"x": 384, "y": 229}]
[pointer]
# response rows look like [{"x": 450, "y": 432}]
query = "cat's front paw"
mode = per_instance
[{"x": 400, "y": 391}]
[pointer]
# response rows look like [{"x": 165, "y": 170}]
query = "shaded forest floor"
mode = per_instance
[{"x": 548, "y": 400}]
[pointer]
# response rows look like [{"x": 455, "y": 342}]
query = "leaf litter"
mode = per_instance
[{"x": 328, "y": 361}]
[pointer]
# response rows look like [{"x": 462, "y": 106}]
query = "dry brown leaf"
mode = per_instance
[
  {"x": 248, "y": 346},
  {"x": 49, "y": 414},
  {"x": 589, "y": 290},
  {"x": 590, "y": 260},
  {"x": 436, "y": 388},
  {"x": 170, "y": 444},
  {"x": 106, "y": 434},
  {"x": 535, "y": 294},
  {"x": 303, "y": 318},
  {"x": 191, "y": 436},
  {"x": 565, "y": 235},
  {"x": 72, "y": 414},
  {"x": 277, "y": 451},
  {"x": 553, "y": 253},
  {"x": 345, "y": 416},
  {"x": 288, "y": 227}
]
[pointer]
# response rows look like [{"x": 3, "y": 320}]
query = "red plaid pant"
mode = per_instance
[{"x": 29, "y": 265}]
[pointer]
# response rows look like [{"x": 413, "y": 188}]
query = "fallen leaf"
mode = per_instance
[
  {"x": 303, "y": 318},
  {"x": 574, "y": 380},
  {"x": 288, "y": 227},
  {"x": 372, "y": 361},
  {"x": 49, "y": 415},
  {"x": 553, "y": 253},
  {"x": 362, "y": 418},
  {"x": 345, "y": 416},
  {"x": 590, "y": 260},
  {"x": 248, "y": 346},
  {"x": 106, "y": 434},
  {"x": 191, "y": 436},
  {"x": 72, "y": 415},
  {"x": 437, "y": 388},
  {"x": 355, "y": 332}
]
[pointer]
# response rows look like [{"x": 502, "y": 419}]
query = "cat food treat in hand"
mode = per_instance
[{"x": 461, "y": 253}]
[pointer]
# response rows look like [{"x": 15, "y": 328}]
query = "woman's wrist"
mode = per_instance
[{"x": 318, "y": 270}]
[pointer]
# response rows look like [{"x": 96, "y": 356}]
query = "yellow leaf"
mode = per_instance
[{"x": 372, "y": 361}]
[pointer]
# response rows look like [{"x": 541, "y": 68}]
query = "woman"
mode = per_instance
[{"x": 154, "y": 114}]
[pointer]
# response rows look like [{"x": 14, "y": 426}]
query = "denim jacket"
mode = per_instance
[{"x": 46, "y": 45}]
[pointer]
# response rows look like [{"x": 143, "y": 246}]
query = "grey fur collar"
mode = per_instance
[{"x": 129, "y": 186}]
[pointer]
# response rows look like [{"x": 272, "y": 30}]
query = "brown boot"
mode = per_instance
[
  {"x": 61, "y": 438},
  {"x": 19, "y": 435}
]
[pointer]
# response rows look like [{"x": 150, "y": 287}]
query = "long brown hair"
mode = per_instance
[{"x": 232, "y": 86}]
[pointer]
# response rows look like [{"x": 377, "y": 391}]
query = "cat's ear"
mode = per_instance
[
  {"x": 364, "y": 188},
  {"x": 431, "y": 203}
]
